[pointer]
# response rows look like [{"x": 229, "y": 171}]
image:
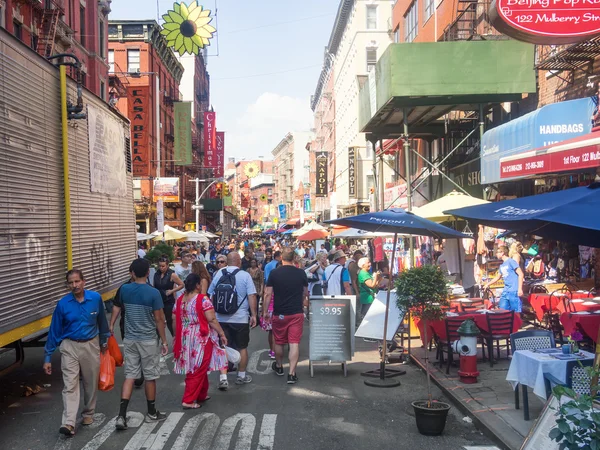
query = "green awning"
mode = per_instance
[{"x": 433, "y": 78}]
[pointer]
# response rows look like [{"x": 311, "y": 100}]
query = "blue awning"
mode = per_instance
[{"x": 548, "y": 125}]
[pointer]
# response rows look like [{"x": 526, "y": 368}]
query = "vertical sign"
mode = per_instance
[
  {"x": 139, "y": 115},
  {"x": 282, "y": 211},
  {"x": 220, "y": 154},
  {"x": 183, "y": 134},
  {"x": 307, "y": 203},
  {"x": 210, "y": 139},
  {"x": 160, "y": 216},
  {"x": 351, "y": 172},
  {"x": 321, "y": 190},
  {"x": 297, "y": 204}
]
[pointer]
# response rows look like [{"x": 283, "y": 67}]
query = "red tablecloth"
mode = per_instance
[
  {"x": 460, "y": 304},
  {"x": 588, "y": 323},
  {"x": 439, "y": 327},
  {"x": 538, "y": 303}
]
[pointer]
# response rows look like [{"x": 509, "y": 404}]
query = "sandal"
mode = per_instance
[
  {"x": 191, "y": 406},
  {"x": 67, "y": 430}
]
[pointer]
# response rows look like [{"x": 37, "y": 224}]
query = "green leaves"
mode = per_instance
[{"x": 422, "y": 290}]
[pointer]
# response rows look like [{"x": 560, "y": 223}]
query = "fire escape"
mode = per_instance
[
  {"x": 51, "y": 12},
  {"x": 471, "y": 23}
]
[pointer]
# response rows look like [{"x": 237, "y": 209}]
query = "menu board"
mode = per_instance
[{"x": 332, "y": 321}]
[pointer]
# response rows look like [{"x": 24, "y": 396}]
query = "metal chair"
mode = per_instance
[
  {"x": 577, "y": 378},
  {"x": 538, "y": 289},
  {"x": 559, "y": 295},
  {"x": 500, "y": 327},
  {"x": 556, "y": 328},
  {"x": 445, "y": 345},
  {"x": 529, "y": 340},
  {"x": 474, "y": 306}
]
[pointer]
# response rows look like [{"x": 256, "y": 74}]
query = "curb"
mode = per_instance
[{"x": 492, "y": 431}]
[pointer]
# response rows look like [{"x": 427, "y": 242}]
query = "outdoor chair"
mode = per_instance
[
  {"x": 549, "y": 309},
  {"x": 577, "y": 378},
  {"x": 445, "y": 345},
  {"x": 538, "y": 289},
  {"x": 529, "y": 340},
  {"x": 500, "y": 326},
  {"x": 474, "y": 306},
  {"x": 556, "y": 328}
]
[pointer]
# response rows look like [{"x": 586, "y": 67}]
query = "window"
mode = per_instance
[
  {"x": 270, "y": 192},
  {"x": 429, "y": 8},
  {"x": 397, "y": 35},
  {"x": 371, "y": 59},
  {"x": 101, "y": 51},
  {"x": 102, "y": 90},
  {"x": 411, "y": 22},
  {"x": 18, "y": 30},
  {"x": 111, "y": 61},
  {"x": 371, "y": 17},
  {"x": 133, "y": 61},
  {"x": 82, "y": 25}
]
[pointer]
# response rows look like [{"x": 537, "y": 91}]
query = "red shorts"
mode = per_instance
[{"x": 289, "y": 329}]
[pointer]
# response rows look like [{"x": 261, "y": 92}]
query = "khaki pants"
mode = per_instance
[{"x": 76, "y": 358}]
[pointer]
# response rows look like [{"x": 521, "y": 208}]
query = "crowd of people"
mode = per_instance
[{"x": 208, "y": 301}]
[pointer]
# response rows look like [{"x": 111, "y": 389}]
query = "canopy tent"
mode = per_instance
[
  {"x": 144, "y": 236},
  {"x": 284, "y": 229},
  {"x": 288, "y": 232},
  {"x": 313, "y": 235},
  {"x": 170, "y": 234},
  {"x": 269, "y": 232},
  {"x": 192, "y": 236},
  {"x": 355, "y": 233},
  {"x": 246, "y": 230},
  {"x": 434, "y": 211},
  {"x": 572, "y": 215},
  {"x": 308, "y": 226}
]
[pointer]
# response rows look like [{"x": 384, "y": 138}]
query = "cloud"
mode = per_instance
[{"x": 265, "y": 123}]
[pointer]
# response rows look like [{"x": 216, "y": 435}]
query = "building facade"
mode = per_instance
[
  {"x": 52, "y": 27},
  {"x": 262, "y": 189},
  {"x": 141, "y": 62}
]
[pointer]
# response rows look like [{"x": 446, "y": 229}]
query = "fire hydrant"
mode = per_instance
[{"x": 467, "y": 348}]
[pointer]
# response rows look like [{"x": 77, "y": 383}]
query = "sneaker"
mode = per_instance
[
  {"x": 156, "y": 417},
  {"x": 272, "y": 355},
  {"x": 121, "y": 423},
  {"x": 292, "y": 379},
  {"x": 247, "y": 379},
  {"x": 223, "y": 385},
  {"x": 278, "y": 370}
]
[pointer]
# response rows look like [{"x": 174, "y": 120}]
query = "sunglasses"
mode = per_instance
[{"x": 221, "y": 262}]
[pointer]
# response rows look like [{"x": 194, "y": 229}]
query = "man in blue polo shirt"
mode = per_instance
[
  {"x": 80, "y": 329},
  {"x": 272, "y": 265}
]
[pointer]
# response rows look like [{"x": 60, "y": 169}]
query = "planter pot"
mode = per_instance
[{"x": 431, "y": 421}]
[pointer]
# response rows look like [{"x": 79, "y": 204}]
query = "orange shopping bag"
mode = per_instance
[
  {"x": 115, "y": 351},
  {"x": 106, "y": 381}
]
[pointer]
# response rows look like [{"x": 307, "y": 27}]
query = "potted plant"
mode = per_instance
[
  {"x": 159, "y": 250},
  {"x": 422, "y": 292}
]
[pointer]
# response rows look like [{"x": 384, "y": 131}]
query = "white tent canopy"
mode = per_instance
[
  {"x": 192, "y": 236},
  {"x": 434, "y": 211},
  {"x": 144, "y": 236},
  {"x": 309, "y": 226}
]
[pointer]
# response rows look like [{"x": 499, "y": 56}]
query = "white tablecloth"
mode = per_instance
[{"x": 528, "y": 368}]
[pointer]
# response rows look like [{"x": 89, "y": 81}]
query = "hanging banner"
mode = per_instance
[
  {"x": 139, "y": 115},
  {"x": 160, "y": 216},
  {"x": 351, "y": 172},
  {"x": 107, "y": 153},
  {"x": 166, "y": 189},
  {"x": 220, "y": 154},
  {"x": 210, "y": 140},
  {"x": 182, "y": 150},
  {"x": 321, "y": 188},
  {"x": 307, "y": 203},
  {"x": 282, "y": 211}
]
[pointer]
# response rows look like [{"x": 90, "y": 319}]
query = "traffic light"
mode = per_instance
[
  {"x": 226, "y": 190},
  {"x": 219, "y": 190}
]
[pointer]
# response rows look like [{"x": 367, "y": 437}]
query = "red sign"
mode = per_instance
[
  {"x": 574, "y": 154},
  {"x": 210, "y": 139},
  {"x": 138, "y": 112},
  {"x": 546, "y": 21}
]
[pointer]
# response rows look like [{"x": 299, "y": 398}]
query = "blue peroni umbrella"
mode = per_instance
[{"x": 572, "y": 215}]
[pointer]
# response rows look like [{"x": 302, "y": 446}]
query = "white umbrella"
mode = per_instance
[
  {"x": 309, "y": 226},
  {"x": 144, "y": 237},
  {"x": 170, "y": 234},
  {"x": 355, "y": 233},
  {"x": 192, "y": 236}
]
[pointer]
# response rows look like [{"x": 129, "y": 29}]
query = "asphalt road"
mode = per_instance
[{"x": 324, "y": 412}]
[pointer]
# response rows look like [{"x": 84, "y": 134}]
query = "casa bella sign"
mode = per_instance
[{"x": 547, "y": 21}]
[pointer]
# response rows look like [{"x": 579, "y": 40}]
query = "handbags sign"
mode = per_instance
[{"x": 546, "y": 21}]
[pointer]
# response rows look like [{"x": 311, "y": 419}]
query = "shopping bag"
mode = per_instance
[
  {"x": 115, "y": 351},
  {"x": 233, "y": 356},
  {"x": 106, "y": 381}
]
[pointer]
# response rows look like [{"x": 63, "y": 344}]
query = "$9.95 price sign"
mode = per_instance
[
  {"x": 331, "y": 329},
  {"x": 331, "y": 310}
]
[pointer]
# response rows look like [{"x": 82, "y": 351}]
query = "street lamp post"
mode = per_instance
[{"x": 197, "y": 206}]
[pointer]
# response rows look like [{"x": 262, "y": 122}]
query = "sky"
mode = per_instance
[{"x": 264, "y": 63}]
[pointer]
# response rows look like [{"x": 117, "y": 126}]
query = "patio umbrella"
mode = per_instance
[
  {"x": 394, "y": 221},
  {"x": 355, "y": 233},
  {"x": 308, "y": 227},
  {"x": 313, "y": 235},
  {"x": 288, "y": 232},
  {"x": 144, "y": 237},
  {"x": 434, "y": 211},
  {"x": 192, "y": 236},
  {"x": 269, "y": 232},
  {"x": 170, "y": 234},
  {"x": 572, "y": 215}
]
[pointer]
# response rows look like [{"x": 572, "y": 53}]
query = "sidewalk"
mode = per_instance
[{"x": 490, "y": 402}]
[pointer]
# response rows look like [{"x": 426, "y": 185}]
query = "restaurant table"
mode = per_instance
[
  {"x": 528, "y": 368},
  {"x": 439, "y": 326},
  {"x": 538, "y": 303},
  {"x": 460, "y": 303},
  {"x": 588, "y": 323}
]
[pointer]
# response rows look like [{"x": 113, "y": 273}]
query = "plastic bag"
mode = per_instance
[
  {"x": 115, "y": 351},
  {"x": 106, "y": 380},
  {"x": 233, "y": 356}
]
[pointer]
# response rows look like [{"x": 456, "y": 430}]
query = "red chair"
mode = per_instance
[{"x": 500, "y": 327}]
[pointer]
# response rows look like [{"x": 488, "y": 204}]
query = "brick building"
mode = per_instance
[
  {"x": 51, "y": 27},
  {"x": 261, "y": 198},
  {"x": 149, "y": 75}
]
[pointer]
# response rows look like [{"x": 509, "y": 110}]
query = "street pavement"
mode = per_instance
[{"x": 324, "y": 412}]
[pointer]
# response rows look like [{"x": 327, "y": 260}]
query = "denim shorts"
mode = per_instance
[{"x": 510, "y": 301}]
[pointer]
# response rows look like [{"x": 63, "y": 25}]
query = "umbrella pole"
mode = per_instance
[{"x": 382, "y": 381}]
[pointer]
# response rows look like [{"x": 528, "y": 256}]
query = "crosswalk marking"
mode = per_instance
[
  {"x": 138, "y": 440},
  {"x": 255, "y": 364},
  {"x": 481, "y": 447},
  {"x": 165, "y": 431},
  {"x": 211, "y": 423},
  {"x": 134, "y": 420},
  {"x": 225, "y": 435},
  {"x": 64, "y": 443},
  {"x": 266, "y": 438}
]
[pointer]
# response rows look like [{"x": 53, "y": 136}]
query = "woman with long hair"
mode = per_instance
[
  {"x": 168, "y": 284},
  {"x": 199, "y": 269},
  {"x": 258, "y": 277},
  {"x": 196, "y": 346}
]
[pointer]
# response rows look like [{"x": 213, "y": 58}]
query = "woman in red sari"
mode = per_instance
[{"x": 196, "y": 346}]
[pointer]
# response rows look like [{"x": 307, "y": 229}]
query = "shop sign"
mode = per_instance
[
  {"x": 210, "y": 140},
  {"x": 182, "y": 148},
  {"x": 220, "y": 154},
  {"x": 307, "y": 206},
  {"x": 166, "y": 189},
  {"x": 549, "y": 125},
  {"x": 395, "y": 196},
  {"x": 321, "y": 188},
  {"x": 351, "y": 172},
  {"x": 546, "y": 21},
  {"x": 282, "y": 211},
  {"x": 139, "y": 115},
  {"x": 468, "y": 177}
]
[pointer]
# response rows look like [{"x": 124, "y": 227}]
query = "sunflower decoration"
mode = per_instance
[
  {"x": 263, "y": 198},
  {"x": 251, "y": 170},
  {"x": 187, "y": 28}
]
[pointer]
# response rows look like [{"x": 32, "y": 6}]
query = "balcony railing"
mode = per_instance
[{"x": 472, "y": 23}]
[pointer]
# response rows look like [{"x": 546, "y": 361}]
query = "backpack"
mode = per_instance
[
  {"x": 225, "y": 297},
  {"x": 325, "y": 283}
]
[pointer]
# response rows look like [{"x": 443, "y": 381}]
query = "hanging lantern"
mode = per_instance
[{"x": 187, "y": 28}]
